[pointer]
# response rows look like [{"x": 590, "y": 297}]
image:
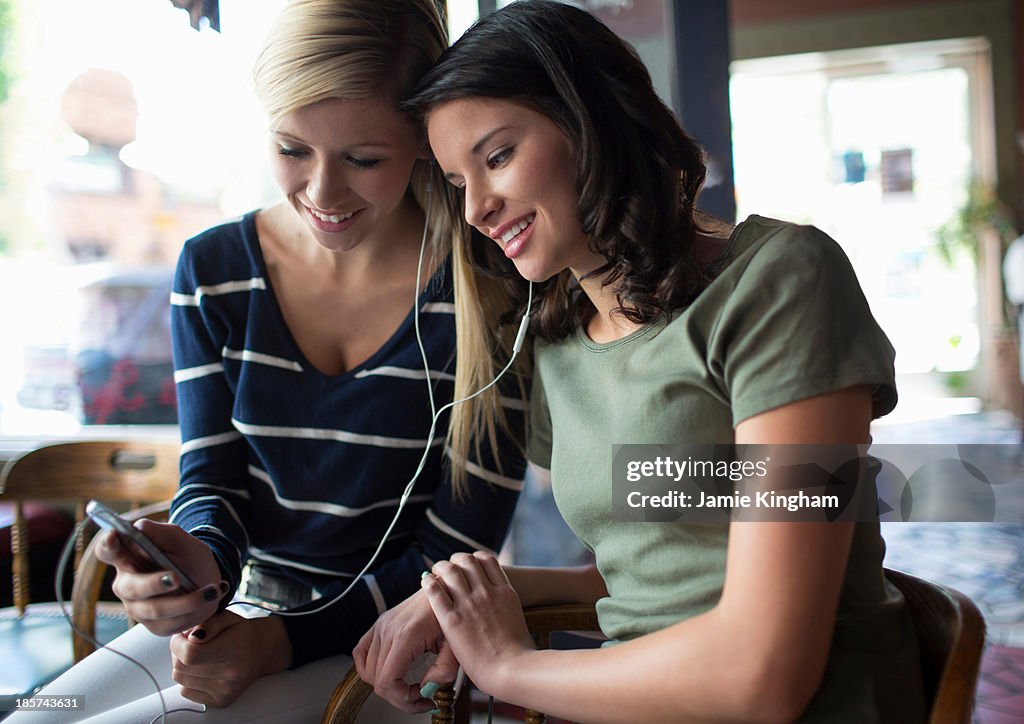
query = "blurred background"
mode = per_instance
[{"x": 894, "y": 126}]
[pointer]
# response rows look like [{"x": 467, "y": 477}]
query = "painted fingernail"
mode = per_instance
[
  {"x": 429, "y": 689},
  {"x": 224, "y": 588},
  {"x": 434, "y": 711},
  {"x": 198, "y": 633},
  {"x": 425, "y": 574},
  {"x": 212, "y": 592},
  {"x": 167, "y": 580}
]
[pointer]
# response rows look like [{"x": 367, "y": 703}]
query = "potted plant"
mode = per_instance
[{"x": 982, "y": 228}]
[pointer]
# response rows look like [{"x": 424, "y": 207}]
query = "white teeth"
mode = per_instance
[
  {"x": 333, "y": 218},
  {"x": 511, "y": 232}
]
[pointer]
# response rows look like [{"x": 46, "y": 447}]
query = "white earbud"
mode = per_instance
[{"x": 524, "y": 325}]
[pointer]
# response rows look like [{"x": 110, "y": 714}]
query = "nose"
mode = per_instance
[
  {"x": 327, "y": 185},
  {"x": 482, "y": 203}
]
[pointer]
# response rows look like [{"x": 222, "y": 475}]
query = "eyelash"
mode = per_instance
[
  {"x": 361, "y": 163},
  {"x": 500, "y": 157}
]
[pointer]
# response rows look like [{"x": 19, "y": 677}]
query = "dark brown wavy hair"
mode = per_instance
[{"x": 637, "y": 171}]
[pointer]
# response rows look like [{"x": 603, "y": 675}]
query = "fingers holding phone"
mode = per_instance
[
  {"x": 166, "y": 613},
  {"x": 168, "y": 579}
]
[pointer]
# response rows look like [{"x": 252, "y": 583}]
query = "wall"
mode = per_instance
[
  {"x": 784, "y": 27},
  {"x": 751, "y": 12}
]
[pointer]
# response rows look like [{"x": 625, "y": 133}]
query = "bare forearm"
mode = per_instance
[
  {"x": 542, "y": 586},
  {"x": 691, "y": 672},
  {"x": 277, "y": 648},
  {"x": 738, "y": 661}
]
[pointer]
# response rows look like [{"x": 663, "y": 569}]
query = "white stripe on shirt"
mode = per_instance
[
  {"x": 448, "y": 530},
  {"x": 404, "y": 373},
  {"x": 321, "y": 433},
  {"x": 262, "y": 555},
  {"x": 227, "y": 506},
  {"x": 247, "y": 355},
  {"x": 192, "y": 300},
  {"x": 438, "y": 308},
  {"x": 314, "y": 506},
  {"x": 191, "y": 373},
  {"x": 483, "y": 473},
  {"x": 232, "y": 491},
  {"x": 197, "y": 443}
]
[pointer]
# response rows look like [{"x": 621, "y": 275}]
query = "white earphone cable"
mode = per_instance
[{"x": 62, "y": 565}]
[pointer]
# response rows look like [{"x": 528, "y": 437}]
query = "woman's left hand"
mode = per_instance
[
  {"x": 480, "y": 614},
  {"x": 216, "y": 661}
]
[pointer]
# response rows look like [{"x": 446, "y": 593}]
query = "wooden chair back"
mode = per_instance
[
  {"x": 89, "y": 579},
  {"x": 132, "y": 472},
  {"x": 951, "y": 637}
]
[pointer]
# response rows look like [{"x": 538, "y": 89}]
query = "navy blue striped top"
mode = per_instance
[{"x": 291, "y": 467}]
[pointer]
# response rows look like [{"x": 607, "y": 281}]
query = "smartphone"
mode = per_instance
[{"x": 109, "y": 520}]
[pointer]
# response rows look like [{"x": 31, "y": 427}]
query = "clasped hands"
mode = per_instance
[
  {"x": 466, "y": 612},
  {"x": 215, "y": 654}
]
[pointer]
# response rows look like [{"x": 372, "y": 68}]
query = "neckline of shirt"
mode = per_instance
[{"x": 657, "y": 324}]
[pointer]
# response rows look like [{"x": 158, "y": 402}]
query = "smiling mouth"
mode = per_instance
[
  {"x": 331, "y": 218},
  {"x": 513, "y": 231}
]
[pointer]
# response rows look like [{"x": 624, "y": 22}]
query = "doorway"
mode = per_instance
[{"x": 880, "y": 148}]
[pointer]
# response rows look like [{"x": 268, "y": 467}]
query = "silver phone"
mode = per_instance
[{"x": 109, "y": 520}]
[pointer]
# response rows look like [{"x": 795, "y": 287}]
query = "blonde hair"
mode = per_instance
[
  {"x": 359, "y": 49},
  {"x": 484, "y": 339},
  {"x": 352, "y": 49}
]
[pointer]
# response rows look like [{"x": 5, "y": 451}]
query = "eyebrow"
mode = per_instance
[
  {"x": 478, "y": 146},
  {"x": 486, "y": 137}
]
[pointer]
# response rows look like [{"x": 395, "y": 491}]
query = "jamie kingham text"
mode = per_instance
[{"x": 667, "y": 467}]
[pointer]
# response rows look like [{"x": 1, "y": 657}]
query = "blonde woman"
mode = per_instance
[{"x": 303, "y": 398}]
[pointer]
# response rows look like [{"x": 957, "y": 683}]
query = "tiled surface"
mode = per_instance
[
  {"x": 1000, "y": 692},
  {"x": 986, "y": 562},
  {"x": 983, "y": 560}
]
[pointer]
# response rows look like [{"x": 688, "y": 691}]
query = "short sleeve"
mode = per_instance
[
  {"x": 796, "y": 325},
  {"x": 539, "y": 445}
]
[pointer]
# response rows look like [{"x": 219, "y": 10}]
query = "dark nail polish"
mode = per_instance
[
  {"x": 198, "y": 633},
  {"x": 211, "y": 593},
  {"x": 167, "y": 581}
]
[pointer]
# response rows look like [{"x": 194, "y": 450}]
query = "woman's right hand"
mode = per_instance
[
  {"x": 155, "y": 598},
  {"x": 389, "y": 649}
]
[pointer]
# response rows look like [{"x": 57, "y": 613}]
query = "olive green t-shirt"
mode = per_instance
[{"x": 785, "y": 320}]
